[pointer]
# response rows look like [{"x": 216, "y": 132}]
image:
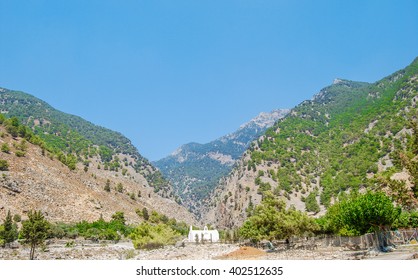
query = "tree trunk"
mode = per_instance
[{"x": 32, "y": 251}]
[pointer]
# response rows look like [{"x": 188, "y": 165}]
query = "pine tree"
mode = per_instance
[
  {"x": 34, "y": 231},
  {"x": 119, "y": 188},
  {"x": 107, "y": 186},
  {"x": 145, "y": 214},
  {"x": 9, "y": 233}
]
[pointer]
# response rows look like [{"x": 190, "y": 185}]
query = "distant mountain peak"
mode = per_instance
[
  {"x": 265, "y": 119},
  {"x": 194, "y": 169}
]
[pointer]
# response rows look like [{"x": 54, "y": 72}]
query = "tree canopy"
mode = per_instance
[
  {"x": 271, "y": 220},
  {"x": 34, "y": 231},
  {"x": 360, "y": 213}
]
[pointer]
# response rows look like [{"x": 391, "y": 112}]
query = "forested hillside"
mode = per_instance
[
  {"x": 350, "y": 136},
  {"x": 73, "y": 139},
  {"x": 36, "y": 178}
]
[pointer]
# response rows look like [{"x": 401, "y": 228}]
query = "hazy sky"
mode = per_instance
[{"x": 165, "y": 73}]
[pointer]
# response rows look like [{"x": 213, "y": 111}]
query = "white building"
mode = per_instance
[{"x": 205, "y": 235}]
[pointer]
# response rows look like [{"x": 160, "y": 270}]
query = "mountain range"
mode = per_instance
[
  {"x": 195, "y": 169},
  {"x": 74, "y": 170},
  {"x": 351, "y": 136}
]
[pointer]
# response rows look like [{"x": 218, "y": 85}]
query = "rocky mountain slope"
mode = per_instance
[
  {"x": 350, "y": 136},
  {"x": 195, "y": 169},
  {"x": 34, "y": 179},
  {"x": 72, "y": 169},
  {"x": 71, "y": 135}
]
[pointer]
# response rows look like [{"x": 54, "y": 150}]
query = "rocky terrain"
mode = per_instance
[
  {"x": 38, "y": 181},
  {"x": 86, "y": 250},
  {"x": 73, "y": 139}
]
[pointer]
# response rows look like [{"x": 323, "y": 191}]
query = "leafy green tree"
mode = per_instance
[
  {"x": 12, "y": 126},
  {"x": 9, "y": 233},
  {"x": 271, "y": 220},
  {"x": 147, "y": 236},
  {"x": 105, "y": 154},
  {"x": 311, "y": 203},
  {"x": 71, "y": 161},
  {"x": 34, "y": 231},
  {"x": 14, "y": 121},
  {"x": 119, "y": 217},
  {"x": 362, "y": 213}
]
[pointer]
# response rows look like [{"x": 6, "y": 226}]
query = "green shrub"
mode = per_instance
[
  {"x": 102, "y": 230},
  {"x": 20, "y": 153},
  {"x": 147, "y": 236},
  {"x": 4, "y": 165},
  {"x": 119, "y": 217},
  {"x": 5, "y": 148}
]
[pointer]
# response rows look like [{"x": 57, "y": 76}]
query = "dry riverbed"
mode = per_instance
[{"x": 83, "y": 250}]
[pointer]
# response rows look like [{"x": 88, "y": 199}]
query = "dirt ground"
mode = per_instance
[
  {"x": 190, "y": 251},
  {"x": 328, "y": 253},
  {"x": 244, "y": 253}
]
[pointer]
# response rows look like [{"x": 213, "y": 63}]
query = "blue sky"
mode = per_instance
[{"x": 165, "y": 73}]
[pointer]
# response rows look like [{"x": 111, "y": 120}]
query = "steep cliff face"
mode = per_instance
[
  {"x": 195, "y": 169},
  {"x": 350, "y": 136}
]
